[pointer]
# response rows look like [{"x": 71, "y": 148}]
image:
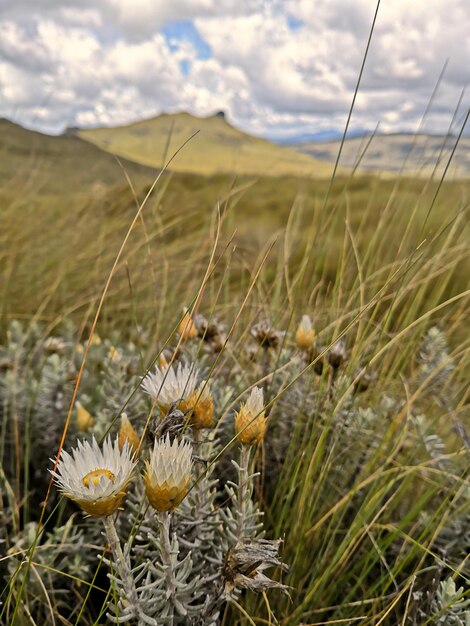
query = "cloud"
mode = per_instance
[{"x": 277, "y": 67}]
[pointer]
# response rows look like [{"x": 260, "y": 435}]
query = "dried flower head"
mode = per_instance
[
  {"x": 168, "y": 473},
  {"x": 95, "y": 479},
  {"x": 207, "y": 330},
  {"x": 364, "y": 380},
  {"x": 250, "y": 422},
  {"x": 6, "y": 363},
  {"x": 128, "y": 434},
  {"x": 245, "y": 562},
  {"x": 85, "y": 420},
  {"x": 55, "y": 345},
  {"x": 172, "y": 386},
  {"x": 305, "y": 335},
  {"x": 313, "y": 356},
  {"x": 174, "y": 424},
  {"x": 187, "y": 329},
  {"x": 212, "y": 333},
  {"x": 337, "y": 353},
  {"x": 267, "y": 336}
]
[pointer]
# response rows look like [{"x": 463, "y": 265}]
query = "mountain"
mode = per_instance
[
  {"x": 51, "y": 165},
  {"x": 217, "y": 148},
  {"x": 414, "y": 154}
]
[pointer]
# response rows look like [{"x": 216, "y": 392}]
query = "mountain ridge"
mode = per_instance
[
  {"x": 214, "y": 147},
  {"x": 413, "y": 154}
]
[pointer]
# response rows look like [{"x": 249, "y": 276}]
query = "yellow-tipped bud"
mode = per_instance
[
  {"x": 187, "y": 329},
  {"x": 162, "y": 361},
  {"x": 305, "y": 335},
  {"x": 114, "y": 354},
  {"x": 95, "y": 340},
  {"x": 85, "y": 420},
  {"x": 168, "y": 474},
  {"x": 250, "y": 422},
  {"x": 203, "y": 411},
  {"x": 128, "y": 434}
]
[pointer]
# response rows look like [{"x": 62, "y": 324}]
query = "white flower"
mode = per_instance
[
  {"x": 255, "y": 403},
  {"x": 96, "y": 479},
  {"x": 306, "y": 324},
  {"x": 168, "y": 473},
  {"x": 168, "y": 385}
]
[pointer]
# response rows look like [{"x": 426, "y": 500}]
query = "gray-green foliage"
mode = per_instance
[
  {"x": 221, "y": 511},
  {"x": 447, "y": 605}
]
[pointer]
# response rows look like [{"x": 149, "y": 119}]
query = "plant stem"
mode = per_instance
[
  {"x": 165, "y": 553},
  {"x": 243, "y": 478},
  {"x": 199, "y": 474},
  {"x": 123, "y": 568}
]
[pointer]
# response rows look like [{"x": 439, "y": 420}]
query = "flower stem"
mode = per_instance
[
  {"x": 243, "y": 486},
  {"x": 165, "y": 553},
  {"x": 123, "y": 568},
  {"x": 199, "y": 474}
]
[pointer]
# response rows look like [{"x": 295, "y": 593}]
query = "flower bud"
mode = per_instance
[
  {"x": 128, "y": 434},
  {"x": 85, "y": 420},
  {"x": 187, "y": 328},
  {"x": 203, "y": 411},
  {"x": 168, "y": 474},
  {"x": 305, "y": 335},
  {"x": 250, "y": 422}
]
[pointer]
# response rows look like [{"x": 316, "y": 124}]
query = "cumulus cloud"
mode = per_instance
[{"x": 277, "y": 67}]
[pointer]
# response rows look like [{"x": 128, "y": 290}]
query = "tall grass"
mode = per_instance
[{"x": 369, "y": 490}]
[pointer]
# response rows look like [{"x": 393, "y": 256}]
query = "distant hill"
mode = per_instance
[
  {"x": 53, "y": 165},
  {"x": 416, "y": 154},
  {"x": 217, "y": 148}
]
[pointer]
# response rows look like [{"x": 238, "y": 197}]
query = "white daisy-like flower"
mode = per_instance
[
  {"x": 168, "y": 385},
  {"x": 250, "y": 422},
  {"x": 96, "y": 479},
  {"x": 168, "y": 473}
]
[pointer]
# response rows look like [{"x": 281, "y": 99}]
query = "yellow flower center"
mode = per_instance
[{"x": 95, "y": 475}]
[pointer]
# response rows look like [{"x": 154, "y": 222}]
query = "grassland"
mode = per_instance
[
  {"x": 76, "y": 205},
  {"x": 367, "y": 484},
  {"x": 414, "y": 155}
]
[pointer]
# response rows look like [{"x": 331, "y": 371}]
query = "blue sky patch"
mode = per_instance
[
  {"x": 184, "y": 30},
  {"x": 185, "y": 67},
  {"x": 294, "y": 23}
]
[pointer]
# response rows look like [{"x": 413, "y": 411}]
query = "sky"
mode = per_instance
[{"x": 277, "y": 68}]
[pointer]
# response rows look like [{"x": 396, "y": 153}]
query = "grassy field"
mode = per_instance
[
  {"x": 363, "y": 470},
  {"x": 415, "y": 155}
]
